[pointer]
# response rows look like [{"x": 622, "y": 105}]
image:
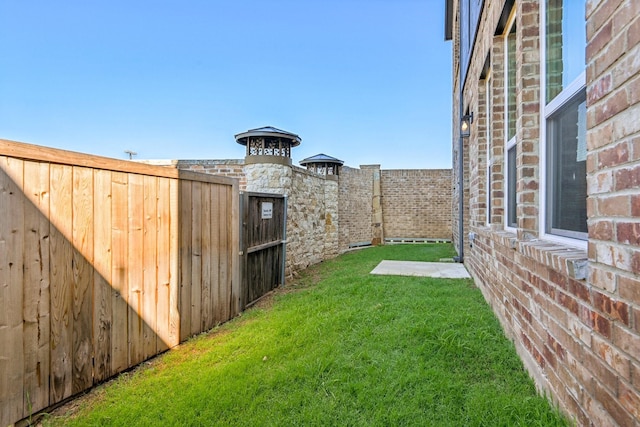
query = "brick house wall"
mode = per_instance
[{"x": 572, "y": 310}]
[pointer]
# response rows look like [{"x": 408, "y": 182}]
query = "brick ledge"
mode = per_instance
[
  {"x": 567, "y": 260},
  {"x": 570, "y": 261}
]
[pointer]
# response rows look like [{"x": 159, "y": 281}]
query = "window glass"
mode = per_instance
[
  {"x": 511, "y": 83},
  {"x": 512, "y": 219},
  {"x": 565, "y": 44},
  {"x": 566, "y": 165}
]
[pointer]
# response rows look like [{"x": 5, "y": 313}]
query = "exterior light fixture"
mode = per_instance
[{"x": 465, "y": 125}]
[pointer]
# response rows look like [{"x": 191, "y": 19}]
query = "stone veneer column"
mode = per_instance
[
  {"x": 377, "y": 227},
  {"x": 268, "y": 178},
  {"x": 331, "y": 240}
]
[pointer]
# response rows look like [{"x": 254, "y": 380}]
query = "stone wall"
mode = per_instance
[
  {"x": 416, "y": 203},
  {"x": 329, "y": 215},
  {"x": 331, "y": 219},
  {"x": 572, "y": 310},
  {"x": 306, "y": 225}
]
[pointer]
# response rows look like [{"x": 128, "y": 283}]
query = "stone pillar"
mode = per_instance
[
  {"x": 377, "y": 226},
  {"x": 331, "y": 240},
  {"x": 268, "y": 178}
]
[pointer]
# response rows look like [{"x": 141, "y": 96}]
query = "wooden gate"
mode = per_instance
[{"x": 263, "y": 246}]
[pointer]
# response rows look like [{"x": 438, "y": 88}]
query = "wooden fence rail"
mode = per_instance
[{"x": 104, "y": 264}]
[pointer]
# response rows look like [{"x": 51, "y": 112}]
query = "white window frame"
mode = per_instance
[
  {"x": 509, "y": 143},
  {"x": 546, "y": 111}
]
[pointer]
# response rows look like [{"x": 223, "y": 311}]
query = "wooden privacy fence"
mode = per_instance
[{"x": 103, "y": 264}]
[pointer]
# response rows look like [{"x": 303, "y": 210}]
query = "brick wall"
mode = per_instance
[
  {"x": 328, "y": 216},
  {"x": 613, "y": 182},
  {"x": 574, "y": 314},
  {"x": 355, "y": 196},
  {"x": 416, "y": 203},
  {"x": 231, "y": 168}
]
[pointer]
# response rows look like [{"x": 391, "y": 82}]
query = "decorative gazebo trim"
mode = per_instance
[
  {"x": 266, "y": 144},
  {"x": 323, "y": 165}
]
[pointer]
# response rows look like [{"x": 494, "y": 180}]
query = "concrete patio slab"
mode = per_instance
[{"x": 445, "y": 270}]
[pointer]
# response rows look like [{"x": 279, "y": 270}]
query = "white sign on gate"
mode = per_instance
[{"x": 267, "y": 210}]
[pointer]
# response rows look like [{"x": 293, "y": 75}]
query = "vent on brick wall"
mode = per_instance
[
  {"x": 359, "y": 244},
  {"x": 392, "y": 240}
]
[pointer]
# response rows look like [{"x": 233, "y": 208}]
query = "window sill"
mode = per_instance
[{"x": 570, "y": 261}]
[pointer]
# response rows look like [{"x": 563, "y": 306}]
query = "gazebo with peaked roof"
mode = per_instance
[
  {"x": 268, "y": 145},
  {"x": 323, "y": 164}
]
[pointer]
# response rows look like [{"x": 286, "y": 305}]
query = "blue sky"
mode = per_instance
[{"x": 367, "y": 81}]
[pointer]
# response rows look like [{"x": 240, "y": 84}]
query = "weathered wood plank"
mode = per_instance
[
  {"x": 225, "y": 256},
  {"x": 150, "y": 274},
  {"x": 196, "y": 257},
  {"x": 61, "y": 273},
  {"x": 135, "y": 266},
  {"x": 163, "y": 254},
  {"x": 174, "y": 267},
  {"x": 37, "y": 332},
  {"x": 102, "y": 292},
  {"x": 12, "y": 237},
  {"x": 119, "y": 272},
  {"x": 234, "y": 228},
  {"x": 206, "y": 321},
  {"x": 82, "y": 278},
  {"x": 185, "y": 259},
  {"x": 214, "y": 264}
]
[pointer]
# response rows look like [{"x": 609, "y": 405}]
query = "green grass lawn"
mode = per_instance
[{"x": 337, "y": 347}]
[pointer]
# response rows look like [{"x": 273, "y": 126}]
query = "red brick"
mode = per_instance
[
  {"x": 599, "y": 89},
  {"x": 599, "y": 16},
  {"x": 618, "y": 310},
  {"x": 616, "y": 48},
  {"x": 612, "y": 356},
  {"x": 613, "y": 156},
  {"x": 633, "y": 32},
  {"x": 611, "y": 106},
  {"x": 598, "y": 415},
  {"x": 601, "y": 278},
  {"x": 635, "y": 205},
  {"x": 626, "y": 339},
  {"x": 557, "y": 348},
  {"x": 549, "y": 357},
  {"x": 600, "y": 39},
  {"x": 607, "y": 399},
  {"x": 635, "y": 262},
  {"x": 635, "y": 374},
  {"x": 600, "y": 137},
  {"x": 600, "y": 371},
  {"x": 568, "y": 302},
  {"x": 633, "y": 89},
  {"x": 614, "y": 206},
  {"x": 628, "y": 233},
  {"x": 630, "y": 399},
  {"x": 597, "y": 322},
  {"x": 578, "y": 289},
  {"x": 627, "y": 178},
  {"x": 601, "y": 230},
  {"x": 629, "y": 289}
]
